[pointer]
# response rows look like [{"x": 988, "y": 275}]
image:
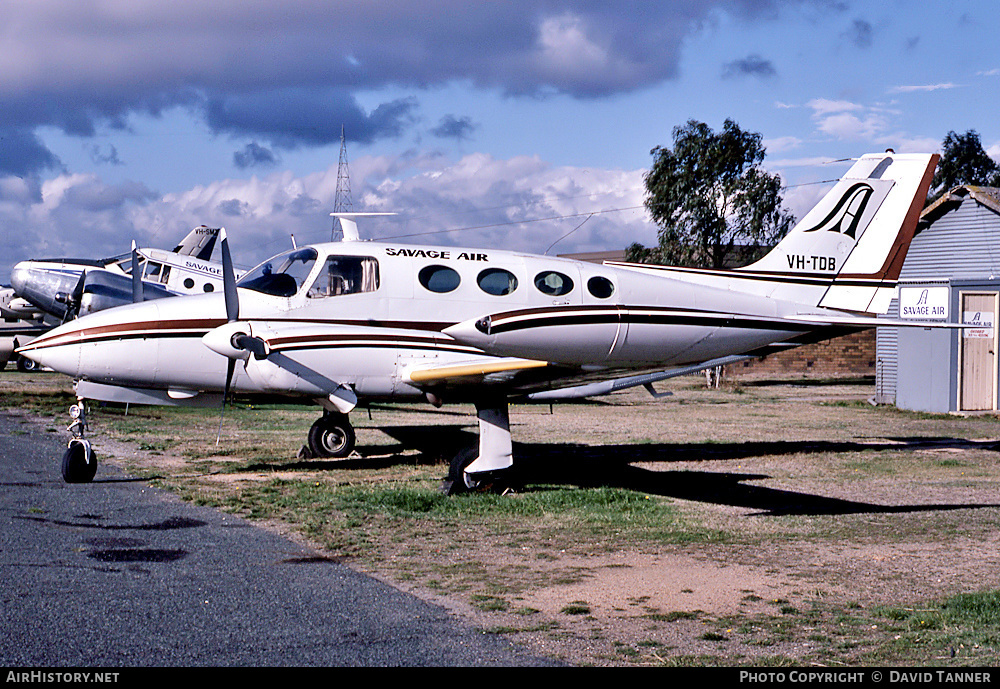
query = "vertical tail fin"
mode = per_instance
[
  {"x": 855, "y": 239},
  {"x": 200, "y": 242}
]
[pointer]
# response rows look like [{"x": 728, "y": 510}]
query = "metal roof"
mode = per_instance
[{"x": 986, "y": 196}]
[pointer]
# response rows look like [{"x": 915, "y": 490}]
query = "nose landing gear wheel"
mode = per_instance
[{"x": 332, "y": 436}]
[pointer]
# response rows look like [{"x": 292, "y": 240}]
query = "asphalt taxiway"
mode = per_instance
[{"x": 115, "y": 573}]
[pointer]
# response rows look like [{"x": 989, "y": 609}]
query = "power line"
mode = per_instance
[{"x": 514, "y": 222}]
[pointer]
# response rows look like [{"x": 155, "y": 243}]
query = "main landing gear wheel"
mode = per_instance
[
  {"x": 332, "y": 436},
  {"x": 79, "y": 463},
  {"x": 461, "y": 481}
]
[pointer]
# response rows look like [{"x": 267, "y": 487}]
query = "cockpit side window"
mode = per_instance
[
  {"x": 345, "y": 275},
  {"x": 284, "y": 281}
]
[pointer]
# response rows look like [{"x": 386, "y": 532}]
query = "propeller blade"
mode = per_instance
[
  {"x": 73, "y": 304},
  {"x": 137, "y": 295},
  {"x": 229, "y": 280},
  {"x": 230, "y": 370},
  {"x": 78, "y": 290},
  {"x": 232, "y": 313}
]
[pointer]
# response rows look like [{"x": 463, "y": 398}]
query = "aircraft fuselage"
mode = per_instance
[{"x": 371, "y": 315}]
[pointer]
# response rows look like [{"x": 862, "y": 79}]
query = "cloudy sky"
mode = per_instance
[{"x": 523, "y": 124}]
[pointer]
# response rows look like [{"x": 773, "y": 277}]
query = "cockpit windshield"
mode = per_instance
[{"x": 283, "y": 275}]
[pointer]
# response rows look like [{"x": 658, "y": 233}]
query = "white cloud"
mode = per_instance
[
  {"x": 781, "y": 143},
  {"x": 994, "y": 152},
  {"x": 850, "y": 126},
  {"x": 566, "y": 48},
  {"x": 825, "y": 106},
  {"x": 923, "y": 88},
  {"x": 522, "y": 203},
  {"x": 848, "y": 121}
]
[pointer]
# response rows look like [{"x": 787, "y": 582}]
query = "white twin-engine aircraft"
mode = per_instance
[
  {"x": 66, "y": 288},
  {"x": 365, "y": 321}
]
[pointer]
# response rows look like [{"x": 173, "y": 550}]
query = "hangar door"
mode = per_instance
[{"x": 977, "y": 386}]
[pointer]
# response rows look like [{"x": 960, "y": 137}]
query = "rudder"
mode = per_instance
[
  {"x": 855, "y": 239},
  {"x": 199, "y": 243}
]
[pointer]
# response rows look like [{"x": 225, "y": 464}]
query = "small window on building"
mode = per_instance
[
  {"x": 553, "y": 284},
  {"x": 600, "y": 287},
  {"x": 439, "y": 279},
  {"x": 497, "y": 281}
]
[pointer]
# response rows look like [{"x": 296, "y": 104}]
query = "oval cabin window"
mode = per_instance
[
  {"x": 439, "y": 279},
  {"x": 553, "y": 284},
  {"x": 497, "y": 281},
  {"x": 600, "y": 287}
]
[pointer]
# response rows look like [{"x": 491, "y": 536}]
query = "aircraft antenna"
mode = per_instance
[{"x": 342, "y": 200}]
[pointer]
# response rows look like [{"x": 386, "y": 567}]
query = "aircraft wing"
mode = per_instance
[
  {"x": 104, "y": 392},
  {"x": 623, "y": 383},
  {"x": 847, "y": 320}
]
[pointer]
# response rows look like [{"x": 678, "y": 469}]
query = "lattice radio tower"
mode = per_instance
[{"x": 342, "y": 200}]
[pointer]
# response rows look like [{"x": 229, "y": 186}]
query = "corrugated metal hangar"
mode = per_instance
[{"x": 951, "y": 273}]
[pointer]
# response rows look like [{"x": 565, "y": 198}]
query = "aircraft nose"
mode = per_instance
[{"x": 19, "y": 277}]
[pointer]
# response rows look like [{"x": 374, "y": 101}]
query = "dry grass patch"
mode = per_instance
[{"x": 764, "y": 524}]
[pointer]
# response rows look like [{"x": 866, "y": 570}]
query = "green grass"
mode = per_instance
[
  {"x": 591, "y": 513},
  {"x": 959, "y": 631},
  {"x": 386, "y": 512},
  {"x": 963, "y": 629}
]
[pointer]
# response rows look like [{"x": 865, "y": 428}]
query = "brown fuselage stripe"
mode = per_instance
[{"x": 503, "y": 322}]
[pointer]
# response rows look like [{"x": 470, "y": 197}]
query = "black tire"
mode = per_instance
[
  {"x": 332, "y": 436},
  {"x": 79, "y": 463},
  {"x": 26, "y": 365},
  {"x": 460, "y": 480}
]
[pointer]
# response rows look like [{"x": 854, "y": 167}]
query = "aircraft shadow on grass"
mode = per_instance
[
  {"x": 614, "y": 465},
  {"x": 570, "y": 464}
]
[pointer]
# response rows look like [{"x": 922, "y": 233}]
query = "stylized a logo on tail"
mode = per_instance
[{"x": 846, "y": 215}]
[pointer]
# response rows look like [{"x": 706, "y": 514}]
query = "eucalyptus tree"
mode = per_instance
[{"x": 712, "y": 199}]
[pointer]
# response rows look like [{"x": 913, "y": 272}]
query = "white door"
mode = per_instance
[{"x": 978, "y": 369}]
